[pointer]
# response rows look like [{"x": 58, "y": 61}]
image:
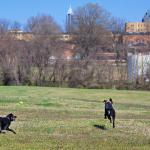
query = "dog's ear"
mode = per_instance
[
  {"x": 9, "y": 115},
  {"x": 110, "y": 99},
  {"x": 104, "y": 101}
]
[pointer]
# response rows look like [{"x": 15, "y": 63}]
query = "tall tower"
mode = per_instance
[{"x": 69, "y": 20}]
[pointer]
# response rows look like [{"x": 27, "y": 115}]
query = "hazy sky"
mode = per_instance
[{"x": 21, "y": 10}]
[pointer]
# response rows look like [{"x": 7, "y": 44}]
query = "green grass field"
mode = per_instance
[{"x": 72, "y": 119}]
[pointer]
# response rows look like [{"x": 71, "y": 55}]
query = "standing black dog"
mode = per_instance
[
  {"x": 109, "y": 111},
  {"x": 6, "y": 121}
]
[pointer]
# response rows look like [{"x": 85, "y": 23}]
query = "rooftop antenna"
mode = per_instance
[
  {"x": 69, "y": 19},
  {"x": 70, "y": 11}
]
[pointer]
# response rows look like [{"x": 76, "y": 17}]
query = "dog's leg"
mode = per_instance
[
  {"x": 11, "y": 130},
  {"x": 109, "y": 117},
  {"x": 113, "y": 117},
  {"x": 0, "y": 127},
  {"x": 113, "y": 122},
  {"x": 105, "y": 114}
]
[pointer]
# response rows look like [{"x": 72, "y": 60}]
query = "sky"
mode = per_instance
[{"x": 21, "y": 10}]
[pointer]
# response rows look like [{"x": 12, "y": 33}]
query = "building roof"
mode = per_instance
[{"x": 146, "y": 17}]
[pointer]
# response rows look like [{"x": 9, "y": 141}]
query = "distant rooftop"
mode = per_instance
[{"x": 146, "y": 17}]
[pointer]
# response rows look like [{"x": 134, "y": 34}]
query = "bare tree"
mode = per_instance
[
  {"x": 117, "y": 25},
  {"x": 42, "y": 24},
  {"x": 45, "y": 42},
  {"x": 4, "y": 26},
  {"x": 91, "y": 30},
  {"x": 15, "y": 25}
]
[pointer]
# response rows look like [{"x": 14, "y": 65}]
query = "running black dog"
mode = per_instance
[
  {"x": 6, "y": 121},
  {"x": 109, "y": 111}
]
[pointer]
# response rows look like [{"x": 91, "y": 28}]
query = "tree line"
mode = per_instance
[{"x": 28, "y": 62}]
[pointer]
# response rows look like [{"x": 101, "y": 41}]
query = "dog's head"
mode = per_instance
[{"x": 11, "y": 117}]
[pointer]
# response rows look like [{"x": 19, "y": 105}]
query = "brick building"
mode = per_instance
[
  {"x": 135, "y": 41},
  {"x": 137, "y": 34},
  {"x": 139, "y": 27}
]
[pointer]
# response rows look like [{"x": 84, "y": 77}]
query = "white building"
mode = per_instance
[{"x": 138, "y": 65}]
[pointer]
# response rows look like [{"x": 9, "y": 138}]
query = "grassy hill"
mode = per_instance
[{"x": 63, "y": 118}]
